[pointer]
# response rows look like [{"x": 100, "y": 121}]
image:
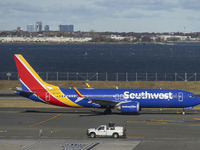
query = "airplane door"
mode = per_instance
[
  {"x": 47, "y": 95},
  {"x": 180, "y": 96},
  {"x": 121, "y": 96},
  {"x": 117, "y": 97}
]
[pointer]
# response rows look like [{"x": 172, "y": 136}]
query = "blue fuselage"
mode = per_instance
[{"x": 147, "y": 98}]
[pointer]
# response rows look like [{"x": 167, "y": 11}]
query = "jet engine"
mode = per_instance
[{"x": 129, "y": 107}]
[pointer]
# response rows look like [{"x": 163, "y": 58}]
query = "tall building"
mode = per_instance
[
  {"x": 38, "y": 26},
  {"x": 46, "y": 28},
  {"x": 30, "y": 28},
  {"x": 66, "y": 28},
  {"x": 70, "y": 28},
  {"x": 63, "y": 28},
  {"x": 18, "y": 29}
]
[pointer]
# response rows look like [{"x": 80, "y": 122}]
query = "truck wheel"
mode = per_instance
[
  {"x": 115, "y": 135},
  {"x": 92, "y": 135}
]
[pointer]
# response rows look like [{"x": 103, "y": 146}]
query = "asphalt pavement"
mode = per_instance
[
  {"x": 24, "y": 125},
  {"x": 65, "y": 128}
]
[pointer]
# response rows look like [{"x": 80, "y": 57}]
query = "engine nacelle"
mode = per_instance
[{"x": 129, "y": 107}]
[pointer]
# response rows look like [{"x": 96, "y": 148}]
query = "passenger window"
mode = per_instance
[{"x": 101, "y": 128}]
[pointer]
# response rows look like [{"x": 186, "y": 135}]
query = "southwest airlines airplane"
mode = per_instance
[{"x": 125, "y": 100}]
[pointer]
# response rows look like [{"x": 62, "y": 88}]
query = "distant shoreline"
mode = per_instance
[{"x": 94, "y": 43}]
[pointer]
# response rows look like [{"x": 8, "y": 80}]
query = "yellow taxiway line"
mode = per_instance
[
  {"x": 173, "y": 121},
  {"x": 45, "y": 120},
  {"x": 10, "y": 145},
  {"x": 156, "y": 122},
  {"x": 138, "y": 136}
]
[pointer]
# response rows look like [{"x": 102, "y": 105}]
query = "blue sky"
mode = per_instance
[{"x": 104, "y": 15}]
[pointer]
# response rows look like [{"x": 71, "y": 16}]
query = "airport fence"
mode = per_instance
[{"x": 76, "y": 76}]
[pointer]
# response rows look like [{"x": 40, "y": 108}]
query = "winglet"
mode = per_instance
[
  {"x": 87, "y": 85},
  {"x": 78, "y": 93}
]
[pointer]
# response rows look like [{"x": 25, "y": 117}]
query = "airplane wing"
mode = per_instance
[
  {"x": 97, "y": 101},
  {"x": 103, "y": 102}
]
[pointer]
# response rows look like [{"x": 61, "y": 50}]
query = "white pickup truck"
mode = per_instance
[{"x": 107, "y": 131}]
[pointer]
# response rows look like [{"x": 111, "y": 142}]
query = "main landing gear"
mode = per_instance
[{"x": 108, "y": 111}]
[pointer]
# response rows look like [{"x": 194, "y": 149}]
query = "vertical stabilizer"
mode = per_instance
[
  {"x": 29, "y": 79},
  {"x": 39, "y": 90}
]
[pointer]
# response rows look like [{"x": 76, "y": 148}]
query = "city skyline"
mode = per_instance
[
  {"x": 38, "y": 27},
  {"x": 103, "y": 15}
]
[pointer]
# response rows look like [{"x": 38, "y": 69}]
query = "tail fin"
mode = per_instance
[
  {"x": 33, "y": 85},
  {"x": 28, "y": 77}
]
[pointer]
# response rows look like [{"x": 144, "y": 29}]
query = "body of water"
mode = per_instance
[{"x": 178, "y": 58}]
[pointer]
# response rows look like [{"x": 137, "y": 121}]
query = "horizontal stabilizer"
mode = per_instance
[{"x": 19, "y": 89}]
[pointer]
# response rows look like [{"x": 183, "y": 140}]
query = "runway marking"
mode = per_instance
[
  {"x": 45, "y": 120},
  {"x": 133, "y": 121},
  {"x": 157, "y": 120},
  {"x": 10, "y": 145},
  {"x": 155, "y": 123},
  {"x": 138, "y": 136},
  {"x": 178, "y": 112},
  {"x": 32, "y": 146}
]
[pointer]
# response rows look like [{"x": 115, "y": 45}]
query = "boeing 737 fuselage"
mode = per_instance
[{"x": 125, "y": 100}]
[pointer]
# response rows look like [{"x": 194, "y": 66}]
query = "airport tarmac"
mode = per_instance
[{"x": 65, "y": 128}]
